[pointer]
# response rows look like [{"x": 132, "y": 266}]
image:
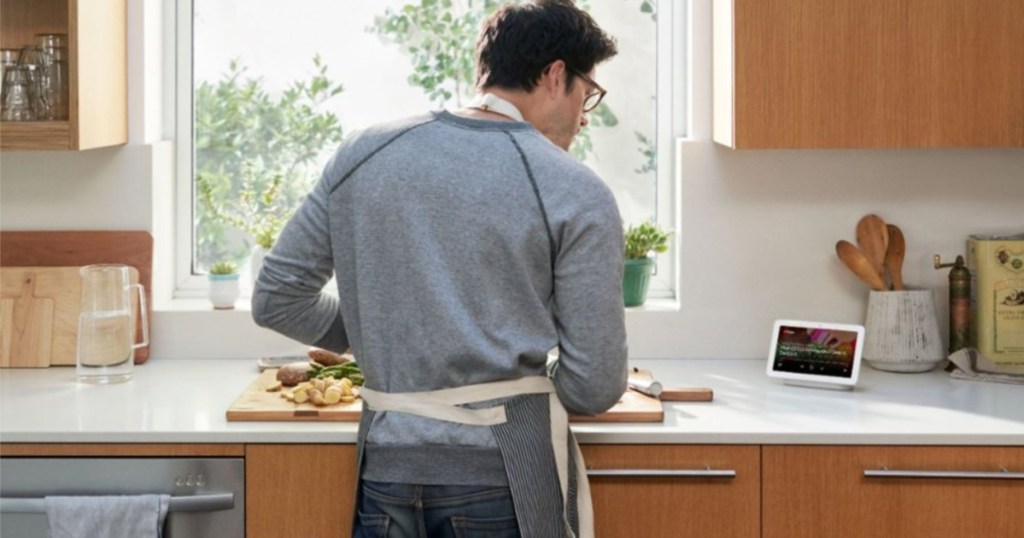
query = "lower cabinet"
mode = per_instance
[
  {"x": 705, "y": 491},
  {"x": 905, "y": 491},
  {"x": 299, "y": 490}
]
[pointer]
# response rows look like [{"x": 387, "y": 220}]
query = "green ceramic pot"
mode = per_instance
[{"x": 635, "y": 279}]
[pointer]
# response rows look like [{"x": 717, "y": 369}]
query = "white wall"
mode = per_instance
[
  {"x": 756, "y": 241},
  {"x": 759, "y": 230}
]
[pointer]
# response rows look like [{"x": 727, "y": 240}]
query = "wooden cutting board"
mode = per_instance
[
  {"x": 632, "y": 407},
  {"x": 39, "y": 309},
  {"x": 76, "y": 248},
  {"x": 256, "y": 404}
]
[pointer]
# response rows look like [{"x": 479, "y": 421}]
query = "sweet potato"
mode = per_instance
[
  {"x": 292, "y": 374},
  {"x": 326, "y": 357}
]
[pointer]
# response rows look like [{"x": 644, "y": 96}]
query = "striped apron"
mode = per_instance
[{"x": 526, "y": 394}]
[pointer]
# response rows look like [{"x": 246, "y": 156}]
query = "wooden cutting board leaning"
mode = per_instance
[
  {"x": 39, "y": 309},
  {"x": 77, "y": 248},
  {"x": 256, "y": 404}
]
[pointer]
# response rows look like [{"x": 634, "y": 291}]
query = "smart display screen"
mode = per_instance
[{"x": 824, "y": 352}]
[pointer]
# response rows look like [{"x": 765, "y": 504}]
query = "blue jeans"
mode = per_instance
[{"x": 414, "y": 511}]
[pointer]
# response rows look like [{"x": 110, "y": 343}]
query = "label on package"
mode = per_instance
[{"x": 997, "y": 298}]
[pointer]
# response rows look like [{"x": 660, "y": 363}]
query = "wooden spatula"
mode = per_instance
[
  {"x": 894, "y": 256},
  {"x": 858, "y": 263},
  {"x": 873, "y": 240}
]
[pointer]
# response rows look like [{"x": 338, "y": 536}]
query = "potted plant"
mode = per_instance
[
  {"x": 224, "y": 289},
  {"x": 259, "y": 212},
  {"x": 641, "y": 242}
]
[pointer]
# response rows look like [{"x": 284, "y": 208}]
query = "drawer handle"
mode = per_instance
[
  {"x": 885, "y": 472},
  {"x": 707, "y": 472}
]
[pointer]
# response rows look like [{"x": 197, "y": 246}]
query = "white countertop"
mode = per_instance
[{"x": 184, "y": 401}]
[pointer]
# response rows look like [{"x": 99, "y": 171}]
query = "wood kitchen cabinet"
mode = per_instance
[
  {"x": 868, "y": 73},
  {"x": 299, "y": 490},
  {"x": 283, "y": 481},
  {"x": 97, "y": 72},
  {"x": 671, "y": 490},
  {"x": 707, "y": 491},
  {"x": 822, "y": 492}
]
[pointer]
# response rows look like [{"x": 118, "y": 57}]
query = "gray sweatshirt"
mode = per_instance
[{"x": 464, "y": 250}]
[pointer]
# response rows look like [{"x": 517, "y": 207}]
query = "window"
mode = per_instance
[{"x": 263, "y": 105}]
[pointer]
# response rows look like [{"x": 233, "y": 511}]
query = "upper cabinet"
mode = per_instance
[
  {"x": 869, "y": 73},
  {"x": 96, "y": 70}
]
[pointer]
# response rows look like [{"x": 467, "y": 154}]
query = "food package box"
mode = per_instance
[{"x": 996, "y": 264}]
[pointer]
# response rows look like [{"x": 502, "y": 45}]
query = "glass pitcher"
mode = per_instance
[{"x": 106, "y": 324}]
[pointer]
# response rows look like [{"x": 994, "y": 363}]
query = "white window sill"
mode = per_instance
[{"x": 656, "y": 304}]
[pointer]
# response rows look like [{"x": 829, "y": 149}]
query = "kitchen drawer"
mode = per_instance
[
  {"x": 826, "y": 491},
  {"x": 675, "y": 490}
]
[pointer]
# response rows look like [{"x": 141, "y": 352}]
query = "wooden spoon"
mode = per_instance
[
  {"x": 873, "y": 240},
  {"x": 894, "y": 255},
  {"x": 859, "y": 264}
]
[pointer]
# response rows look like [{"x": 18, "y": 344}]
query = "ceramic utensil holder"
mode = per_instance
[{"x": 902, "y": 331}]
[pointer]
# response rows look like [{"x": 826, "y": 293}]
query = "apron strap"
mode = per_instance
[{"x": 444, "y": 404}]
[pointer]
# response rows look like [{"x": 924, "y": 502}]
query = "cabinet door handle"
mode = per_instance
[
  {"x": 676, "y": 473},
  {"x": 885, "y": 472}
]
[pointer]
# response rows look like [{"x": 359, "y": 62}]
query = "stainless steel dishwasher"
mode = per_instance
[{"x": 207, "y": 494}]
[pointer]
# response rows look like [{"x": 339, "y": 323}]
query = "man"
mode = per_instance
[{"x": 466, "y": 246}]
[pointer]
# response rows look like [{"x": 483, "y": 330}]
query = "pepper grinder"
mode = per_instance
[{"x": 959, "y": 301}]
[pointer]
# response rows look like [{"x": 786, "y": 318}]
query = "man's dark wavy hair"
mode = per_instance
[{"x": 519, "y": 41}]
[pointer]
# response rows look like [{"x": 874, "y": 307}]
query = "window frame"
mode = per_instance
[{"x": 673, "y": 37}]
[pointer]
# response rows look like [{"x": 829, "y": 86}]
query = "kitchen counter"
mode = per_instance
[{"x": 184, "y": 401}]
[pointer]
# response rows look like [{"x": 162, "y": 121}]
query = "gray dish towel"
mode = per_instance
[
  {"x": 970, "y": 364},
  {"x": 120, "y": 516}
]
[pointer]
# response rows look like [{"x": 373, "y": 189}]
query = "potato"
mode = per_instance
[
  {"x": 326, "y": 357},
  {"x": 292, "y": 374},
  {"x": 316, "y": 397},
  {"x": 332, "y": 395}
]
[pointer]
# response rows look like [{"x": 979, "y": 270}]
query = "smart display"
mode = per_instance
[{"x": 816, "y": 353}]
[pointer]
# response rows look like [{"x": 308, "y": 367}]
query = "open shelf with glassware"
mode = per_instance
[{"x": 91, "y": 108}]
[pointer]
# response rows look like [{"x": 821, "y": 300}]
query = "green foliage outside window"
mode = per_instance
[
  {"x": 440, "y": 37},
  {"x": 256, "y": 155}
]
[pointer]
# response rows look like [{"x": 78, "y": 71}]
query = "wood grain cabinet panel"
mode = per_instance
[
  {"x": 640, "y": 503},
  {"x": 869, "y": 73},
  {"x": 299, "y": 490},
  {"x": 822, "y": 492},
  {"x": 97, "y": 59}
]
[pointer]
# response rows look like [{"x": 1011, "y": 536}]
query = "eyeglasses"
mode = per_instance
[{"x": 593, "y": 98}]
